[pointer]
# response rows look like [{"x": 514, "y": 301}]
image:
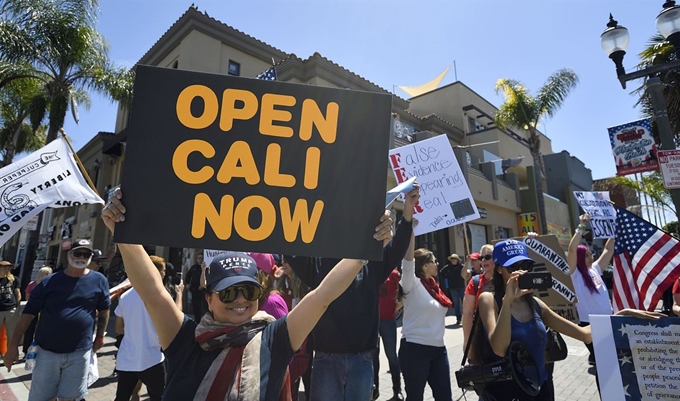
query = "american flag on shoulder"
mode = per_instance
[
  {"x": 268, "y": 75},
  {"x": 646, "y": 262}
]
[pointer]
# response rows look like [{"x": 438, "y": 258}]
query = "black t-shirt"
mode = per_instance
[
  {"x": 449, "y": 276},
  {"x": 188, "y": 363},
  {"x": 350, "y": 324},
  {"x": 193, "y": 279},
  {"x": 7, "y": 299}
]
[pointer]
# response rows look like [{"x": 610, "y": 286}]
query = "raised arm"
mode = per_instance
[
  {"x": 396, "y": 249},
  {"x": 179, "y": 290},
  {"x": 302, "y": 319},
  {"x": 575, "y": 241},
  {"x": 166, "y": 317},
  {"x": 408, "y": 267},
  {"x": 465, "y": 271},
  {"x": 607, "y": 254}
]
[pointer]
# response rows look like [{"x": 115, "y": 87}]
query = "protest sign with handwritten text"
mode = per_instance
[
  {"x": 601, "y": 212},
  {"x": 637, "y": 359},
  {"x": 445, "y": 198}
]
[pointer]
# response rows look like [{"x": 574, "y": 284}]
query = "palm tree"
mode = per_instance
[
  {"x": 660, "y": 51},
  {"x": 523, "y": 110},
  {"x": 55, "y": 42},
  {"x": 17, "y": 100}
]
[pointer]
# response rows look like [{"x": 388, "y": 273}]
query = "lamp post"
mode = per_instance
[{"x": 614, "y": 41}]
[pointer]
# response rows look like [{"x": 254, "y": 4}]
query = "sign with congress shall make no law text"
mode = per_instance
[{"x": 222, "y": 162}]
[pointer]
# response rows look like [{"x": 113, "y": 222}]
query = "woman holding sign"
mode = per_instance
[
  {"x": 234, "y": 351},
  {"x": 510, "y": 314},
  {"x": 586, "y": 275}
]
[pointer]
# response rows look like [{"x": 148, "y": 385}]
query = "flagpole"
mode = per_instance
[{"x": 80, "y": 164}]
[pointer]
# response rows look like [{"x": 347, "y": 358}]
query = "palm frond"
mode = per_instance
[
  {"x": 551, "y": 95},
  {"x": 519, "y": 108}
]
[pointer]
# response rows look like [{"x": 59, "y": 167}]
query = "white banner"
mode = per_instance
[
  {"x": 601, "y": 212},
  {"x": 445, "y": 199},
  {"x": 48, "y": 177}
]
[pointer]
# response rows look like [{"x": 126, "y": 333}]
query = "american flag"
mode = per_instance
[
  {"x": 646, "y": 262},
  {"x": 268, "y": 75}
]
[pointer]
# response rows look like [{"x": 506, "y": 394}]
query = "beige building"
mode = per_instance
[{"x": 200, "y": 43}]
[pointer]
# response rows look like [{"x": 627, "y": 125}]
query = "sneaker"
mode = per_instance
[{"x": 397, "y": 396}]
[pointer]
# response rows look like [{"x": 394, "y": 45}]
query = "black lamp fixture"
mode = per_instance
[
  {"x": 668, "y": 23},
  {"x": 614, "y": 40}
]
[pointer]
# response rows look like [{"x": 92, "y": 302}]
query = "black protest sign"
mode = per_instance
[{"x": 222, "y": 162}]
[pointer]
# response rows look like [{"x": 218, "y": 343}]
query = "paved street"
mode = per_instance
[{"x": 573, "y": 382}]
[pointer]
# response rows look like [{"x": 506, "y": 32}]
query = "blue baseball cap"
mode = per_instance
[
  {"x": 508, "y": 252},
  {"x": 230, "y": 269}
]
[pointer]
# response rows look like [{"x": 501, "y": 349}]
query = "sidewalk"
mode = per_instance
[{"x": 573, "y": 377}]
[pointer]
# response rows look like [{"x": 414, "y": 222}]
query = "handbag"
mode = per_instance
[{"x": 555, "y": 347}]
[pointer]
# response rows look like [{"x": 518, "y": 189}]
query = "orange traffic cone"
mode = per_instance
[{"x": 3, "y": 339}]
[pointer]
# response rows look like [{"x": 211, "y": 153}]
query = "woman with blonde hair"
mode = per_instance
[
  {"x": 10, "y": 296},
  {"x": 475, "y": 287}
]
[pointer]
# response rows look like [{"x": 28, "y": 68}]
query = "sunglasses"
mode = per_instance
[
  {"x": 251, "y": 292},
  {"x": 488, "y": 256},
  {"x": 521, "y": 265},
  {"x": 81, "y": 254}
]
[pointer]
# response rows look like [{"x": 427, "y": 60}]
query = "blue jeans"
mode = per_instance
[
  {"x": 342, "y": 377},
  {"x": 59, "y": 375},
  {"x": 457, "y": 298},
  {"x": 388, "y": 334},
  {"x": 422, "y": 364}
]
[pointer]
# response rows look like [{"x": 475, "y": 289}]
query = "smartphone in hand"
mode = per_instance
[
  {"x": 535, "y": 281},
  {"x": 177, "y": 278}
]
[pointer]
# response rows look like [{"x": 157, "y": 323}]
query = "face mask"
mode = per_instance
[{"x": 78, "y": 263}]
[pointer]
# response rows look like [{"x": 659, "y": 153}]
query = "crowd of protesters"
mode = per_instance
[{"x": 268, "y": 323}]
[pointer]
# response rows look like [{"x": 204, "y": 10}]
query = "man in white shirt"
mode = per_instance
[{"x": 139, "y": 356}]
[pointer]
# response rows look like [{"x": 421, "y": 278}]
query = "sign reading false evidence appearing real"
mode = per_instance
[{"x": 232, "y": 163}]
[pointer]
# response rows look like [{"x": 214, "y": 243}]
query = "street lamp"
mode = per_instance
[{"x": 614, "y": 41}]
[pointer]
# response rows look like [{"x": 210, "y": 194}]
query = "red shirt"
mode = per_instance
[
  {"x": 676, "y": 287},
  {"x": 470, "y": 290},
  {"x": 387, "y": 293}
]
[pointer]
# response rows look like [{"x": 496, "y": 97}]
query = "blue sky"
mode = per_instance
[{"x": 410, "y": 42}]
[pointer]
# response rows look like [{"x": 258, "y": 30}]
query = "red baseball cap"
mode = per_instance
[{"x": 475, "y": 256}]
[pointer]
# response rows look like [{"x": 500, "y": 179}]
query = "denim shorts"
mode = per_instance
[{"x": 59, "y": 375}]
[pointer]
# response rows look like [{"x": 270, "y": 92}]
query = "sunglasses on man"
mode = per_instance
[
  {"x": 251, "y": 292},
  {"x": 82, "y": 254}
]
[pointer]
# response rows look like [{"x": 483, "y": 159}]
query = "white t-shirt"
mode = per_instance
[
  {"x": 591, "y": 303},
  {"x": 140, "y": 348},
  {"x": 423, "y": 315}
]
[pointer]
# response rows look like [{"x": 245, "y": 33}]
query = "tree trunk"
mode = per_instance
[
  {"x": 12, "y": 146},
  {"x": 535, "y": 148}
]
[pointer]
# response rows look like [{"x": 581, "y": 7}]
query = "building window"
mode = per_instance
[
  {"x": 474, "y": 125},
  {"x": 234, "y": 68}
]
